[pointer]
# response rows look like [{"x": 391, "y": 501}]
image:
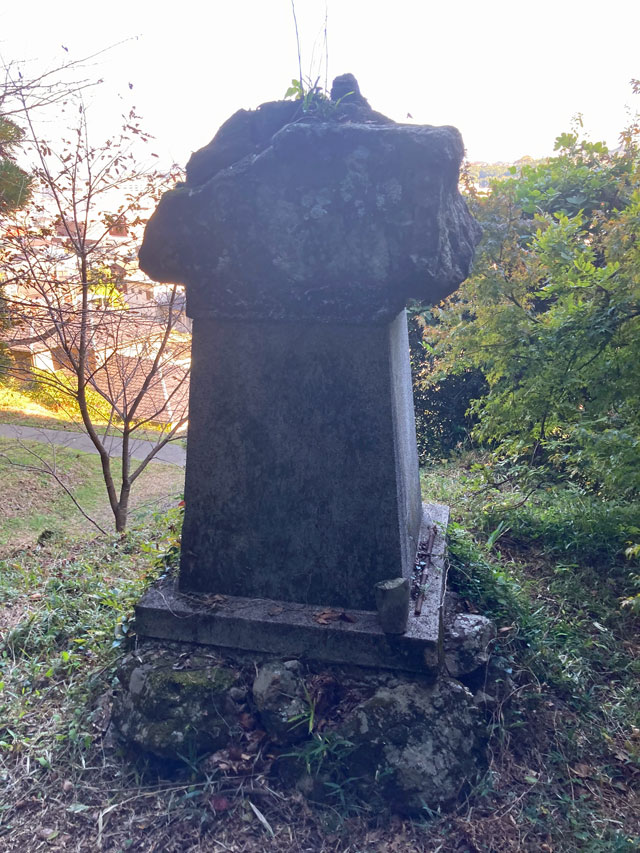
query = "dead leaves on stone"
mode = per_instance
[
  {"x": 245, "y": 754},
  {"x": 213, "y": 600},
  {"x": 327, "y": 616}
]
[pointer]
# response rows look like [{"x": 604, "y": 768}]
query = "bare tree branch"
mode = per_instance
[
  {"x": 103, "y": 348},
  {"x": 45, "y": 468}
]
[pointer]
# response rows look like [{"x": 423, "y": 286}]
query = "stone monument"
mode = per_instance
[{"x": 300, "y": 237}]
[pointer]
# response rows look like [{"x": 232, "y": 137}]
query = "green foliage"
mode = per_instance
[
  {"x": 558, "y": 609},
  {"x": 493, "y": 588},
  {"x": 313, "y": 99},
  {"x": 568, "y": 523},
  {"x": 551, "y": 319},
  {"x": 57, "y": 391},
  {"x": 15, "y": 183},
  {"x": 296, "y": 90},
  {"x": 482, "y": 174},
  {"x": 322, "y": 751},
  {"x": 442, "y": 400},
  {"x": 74, "y": 605},
  {"x": 103, "y": 287},
  {"x": 15, "y": 191}
]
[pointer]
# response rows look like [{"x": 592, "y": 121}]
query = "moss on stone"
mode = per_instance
[{"x": 175, "y": 713}]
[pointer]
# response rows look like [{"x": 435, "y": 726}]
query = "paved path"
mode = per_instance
[{"x": 171, "y": 453}]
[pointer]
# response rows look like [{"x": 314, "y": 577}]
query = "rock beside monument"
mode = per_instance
[
  {"x": 278, "y": 693},
  {"x": 416, "y": 745},
  {"x": 174, "y": 707},
  {"x": 467, "y": 643},
  {"x": 398, "y": 742}
]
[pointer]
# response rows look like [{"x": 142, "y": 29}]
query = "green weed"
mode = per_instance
[
  {"x": 552, "y": 575},
  {"x": 567, "y": 523},
  {"x": 71, "y": 606}
]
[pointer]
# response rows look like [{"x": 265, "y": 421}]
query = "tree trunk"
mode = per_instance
[{"x": 122, "y": 509}]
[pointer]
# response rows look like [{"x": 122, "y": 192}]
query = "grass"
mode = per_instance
[
  {"x": 565, "y": 748},
  {"x": 33, "y": 502},
  {"x": 564, "y": 737},
  {"x": 20, "y": 409}
]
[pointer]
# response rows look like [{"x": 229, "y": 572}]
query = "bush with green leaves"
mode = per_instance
[
  {"x": 570, "y": 524},
  {"x": 551, "y": 319},
  {"x": 444, "y": 420},
  {"x": 56, "y": 391},
  {"x": 15, "y": 183}
]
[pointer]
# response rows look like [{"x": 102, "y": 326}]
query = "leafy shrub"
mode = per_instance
[
  {"x": 551, "y": 319},
  {"x": 49, "y": 391},
  {"x": 444, "y": 419},
  {"x": 568, "y": 523}
]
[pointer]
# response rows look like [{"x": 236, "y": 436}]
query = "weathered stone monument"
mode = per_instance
[{"x": 300, "y": 238}]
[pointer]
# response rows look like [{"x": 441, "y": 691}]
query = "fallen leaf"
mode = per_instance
[
  {"x": 347, "y": 617},
  {"x": 262, "y": 819},
  {"x": 325, "y": 617},
  {"x": 219, "y": 803},
  {"x": 275, "y": 611},
  {"x": 582, "y": 770}
]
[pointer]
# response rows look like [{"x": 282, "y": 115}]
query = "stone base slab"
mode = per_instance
[{"x": 302, "y": 630}]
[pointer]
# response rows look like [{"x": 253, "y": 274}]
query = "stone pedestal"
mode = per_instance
[
  {"x": 302, "y": 472},
  {"x": 295, "y": 630},
  {"x": 300, "y": 237}
]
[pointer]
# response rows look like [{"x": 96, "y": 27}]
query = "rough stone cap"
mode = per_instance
[{"x": 336, "y": 214}]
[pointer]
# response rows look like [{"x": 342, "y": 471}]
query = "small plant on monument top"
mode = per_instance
[{"x": 313, "y": 99}]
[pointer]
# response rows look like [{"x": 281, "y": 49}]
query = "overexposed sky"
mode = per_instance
[{"x": 509, "y": 74}]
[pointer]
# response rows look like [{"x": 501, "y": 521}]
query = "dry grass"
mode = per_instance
[
  {"x": 564, "y": 770},
  {"x": 32, "y": 501}
]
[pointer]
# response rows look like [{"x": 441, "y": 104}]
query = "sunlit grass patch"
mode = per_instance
[
  {"x": 33, "y": 502},
  {"x": 17, "y": 407}
]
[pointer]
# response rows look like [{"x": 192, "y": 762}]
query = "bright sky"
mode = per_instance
[{"x": 509, "y": 74}]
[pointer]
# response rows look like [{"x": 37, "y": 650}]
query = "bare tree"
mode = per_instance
[
  {"x": 22, "y": 92},
  {"x": 105, "y": 343}
]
